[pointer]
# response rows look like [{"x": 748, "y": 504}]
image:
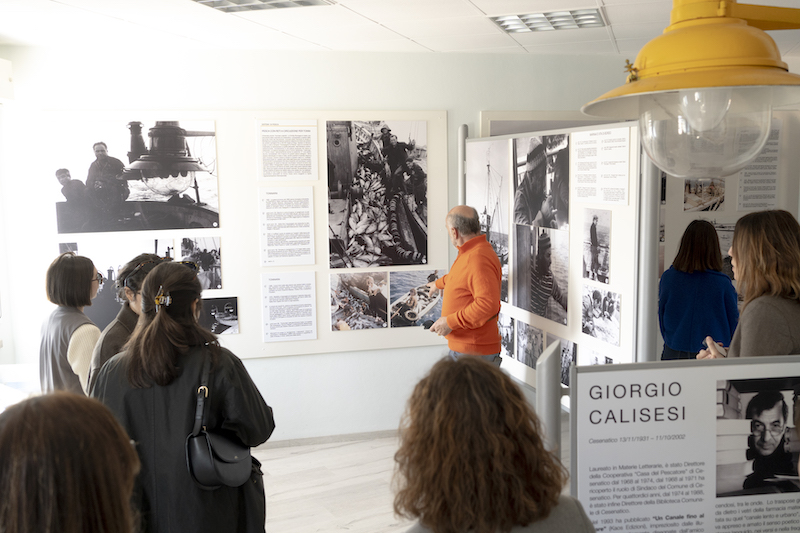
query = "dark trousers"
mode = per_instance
[{"x": 669, "y": 354}]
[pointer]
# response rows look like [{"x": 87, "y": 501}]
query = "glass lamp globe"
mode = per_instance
[
  {"x": 705, "y": 133},
  {"x": 169, "y": 185}
]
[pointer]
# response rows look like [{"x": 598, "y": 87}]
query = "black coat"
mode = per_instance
[{"x": 158, "y": 419}]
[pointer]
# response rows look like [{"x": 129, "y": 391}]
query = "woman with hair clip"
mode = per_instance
[
  {"x": 69, "y": 336},
  {"x": 471, "y": 458},
  {"x": 116, "y": 334},
  {"x": 66, "y": 465},
  {"x": 765, "y": 255},
  {"x": 151, "y": 388},
  {"x": 695, "y": 298}
]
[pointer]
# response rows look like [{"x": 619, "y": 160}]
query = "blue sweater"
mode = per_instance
[{"x": 693, "y": 306}]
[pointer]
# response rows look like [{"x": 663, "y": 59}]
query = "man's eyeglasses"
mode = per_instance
[{"x": 758, "y": 429}]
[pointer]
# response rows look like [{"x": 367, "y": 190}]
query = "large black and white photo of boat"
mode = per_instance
[
  {"x": 487, "y": 188},
  {"x": 377, "y": 193},
  {"x": 166, "y": 182}
]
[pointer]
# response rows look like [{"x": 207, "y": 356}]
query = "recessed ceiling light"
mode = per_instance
[
  {"x": 554, "y": 20},
  {"x": 235, "y": 6}
]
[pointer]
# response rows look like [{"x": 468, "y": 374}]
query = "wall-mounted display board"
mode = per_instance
[
  {"x": 693, "y": 446},
  {"x": 351, "y": 202},
  {"x": 560, "y": 210}
]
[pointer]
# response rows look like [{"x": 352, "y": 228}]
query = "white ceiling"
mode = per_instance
[{"x": 348, "y": 25}]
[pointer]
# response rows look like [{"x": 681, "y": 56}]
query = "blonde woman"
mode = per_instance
[{"x": 765, "y": 255}]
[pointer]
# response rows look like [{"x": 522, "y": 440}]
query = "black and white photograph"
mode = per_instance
[
  {"x": 596, "y": 244},
  {"x": 109, "y": 256},
  {"x": 411, "y": 301},
  {"x": 220, "y": 315},
  {"x": 704, "y": 194},
  {"x": 377, "y": 193},
  {"x": 207, "y": 254},
  {"x": 541, "y": 188},
  {"x": 541, "y": 267},
  {"x": 530, "y": 344},
  {"x": 166, "y": 182},
  {"x": 505, "y": 323},
  {"x": 725, "y": 234},
  {"x": 600, "y": 314},
  {"x": 569, "y": 355},
  {"x": 359, "y": 301},
  {"x": 589, "y": 357},
  {"x": 487, "y": 189},
  {"x": 757, "y": 447},
  {"x": 662, "y": 238}
]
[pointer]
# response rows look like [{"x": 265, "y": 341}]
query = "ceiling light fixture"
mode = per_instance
[
  {"x": 704, "y": 90},
  {"x": 236, "y": 6},
  {"x": 554, "y": 20}
]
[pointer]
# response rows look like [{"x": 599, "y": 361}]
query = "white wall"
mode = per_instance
[{"x": 313, "y": 395}]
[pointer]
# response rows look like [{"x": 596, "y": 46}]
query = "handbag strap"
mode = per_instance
[{"x": 202, "y": 393}]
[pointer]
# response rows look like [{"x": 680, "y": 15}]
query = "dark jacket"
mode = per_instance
[
  {"x": 158, "y": 419},
  {"x": 112, "y": 340}
]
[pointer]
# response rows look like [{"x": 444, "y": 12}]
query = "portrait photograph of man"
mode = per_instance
[{"x": 757, "y": 448}]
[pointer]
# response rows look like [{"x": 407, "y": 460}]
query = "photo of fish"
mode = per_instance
[{"x": 377, "y": 190}]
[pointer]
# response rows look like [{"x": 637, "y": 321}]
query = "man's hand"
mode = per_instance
[
  {"x": 440, "y": 327},
  {"x": 432, "y": 289}
]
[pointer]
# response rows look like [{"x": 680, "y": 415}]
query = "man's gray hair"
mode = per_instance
[{"x": 465, "y": 225}]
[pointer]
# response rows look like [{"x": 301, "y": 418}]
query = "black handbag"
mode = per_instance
[{"x": 212, "y": 458}]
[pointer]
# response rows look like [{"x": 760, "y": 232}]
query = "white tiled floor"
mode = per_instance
[
  {"x": 340, "y": 486},
  {"x": 343, "y": 486}
]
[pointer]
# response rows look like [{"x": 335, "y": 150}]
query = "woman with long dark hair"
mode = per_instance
[
  {"x": 69, "y": 336},
  {"x": 151, "y": 387},
  {"x": 129, "y": 291},
  {"x": 765, "y": 255},
  {"x": 695, "y": 298},
  {"x": 471, "y": 458},
  {"x": 66, "y": 465}
]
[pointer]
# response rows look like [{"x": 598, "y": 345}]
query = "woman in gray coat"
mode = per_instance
[
  {"x": 471, "y": 458},
  {"x": 765, "y": 256}
]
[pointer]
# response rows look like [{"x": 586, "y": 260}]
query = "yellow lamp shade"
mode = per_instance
[{"x": 701, "y": 53}]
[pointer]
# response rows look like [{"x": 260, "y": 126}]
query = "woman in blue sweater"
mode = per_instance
[{"x": 694, "y": 297}]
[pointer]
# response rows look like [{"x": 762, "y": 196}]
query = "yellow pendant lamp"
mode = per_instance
[{"x": 704, "y": 90}]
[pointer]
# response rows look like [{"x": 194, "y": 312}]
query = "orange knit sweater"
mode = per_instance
[{"x": 471, "y": 292}]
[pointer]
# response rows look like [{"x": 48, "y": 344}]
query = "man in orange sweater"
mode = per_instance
[{"x": 471, "y": 290}]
